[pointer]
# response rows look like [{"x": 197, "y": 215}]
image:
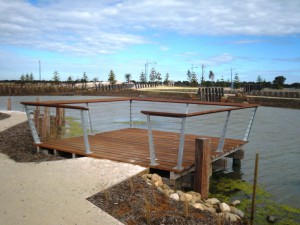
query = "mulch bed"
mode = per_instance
[
  {"x": 17, "y": 143},
  {"x": 133, "y": 202}
]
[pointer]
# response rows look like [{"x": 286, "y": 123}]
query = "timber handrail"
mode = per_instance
[
  {"x": 54, "y": 105},
  {"x": 137, "y": 99},
  {"x": 181, "y": 115}
]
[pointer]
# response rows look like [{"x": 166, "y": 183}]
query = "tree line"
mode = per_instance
[{"x": 156, "y": 77}]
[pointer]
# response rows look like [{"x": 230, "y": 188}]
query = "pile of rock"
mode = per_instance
[{"x": 213, "y": 205}]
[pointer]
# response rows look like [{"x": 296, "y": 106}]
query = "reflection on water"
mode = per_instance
[{"x": 275, "y": 136}]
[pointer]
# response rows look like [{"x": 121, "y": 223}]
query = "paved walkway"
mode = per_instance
[{"x": 53, "y": 193}]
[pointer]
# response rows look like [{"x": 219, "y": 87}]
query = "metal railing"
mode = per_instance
[{"x": 101, "y": 115}]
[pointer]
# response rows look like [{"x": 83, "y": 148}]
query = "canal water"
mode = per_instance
[{"x": 275, "y": 136}]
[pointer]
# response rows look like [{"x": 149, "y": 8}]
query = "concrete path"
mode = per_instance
[{"x": 53, "y": 193}]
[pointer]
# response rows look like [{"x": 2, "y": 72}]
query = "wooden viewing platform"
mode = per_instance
[
  {"x": 131, "y": 146},
  {"x": 164, "y": 149}
]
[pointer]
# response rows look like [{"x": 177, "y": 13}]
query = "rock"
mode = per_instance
[
  {"x": 199, "y": 206},
  {"x": 185, "y": 197},
  {"x": 155, "y": 177},
  {"x": 160, "y": 189},
  {"x": 180, "y": 192},
  {"x": 149, "y": 175},
  {"x": 158, "y": 183},
  {"x": 237, "y": 212},
  {"x": 165, "y": 186},
  {"x": 212, "y": 210},
  {"x": 232, "y": 217},
  {"x": 235, "y": 202},
  {"x": 168, "y": 192},
  {"x": 175, "y": 196},
  {"x": 224, "y": 207},
  {"x": 196, "y": 196},
  {"x": 273, "y": 219},
  {"x": 229, "y": 216},
  {"x": 188, "y": 197},
  {"x": 212, "y": 201}
]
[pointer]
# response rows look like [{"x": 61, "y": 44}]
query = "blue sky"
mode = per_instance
[{"x": 254, "y": 37}]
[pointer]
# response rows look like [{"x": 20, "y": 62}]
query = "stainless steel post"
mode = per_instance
[
  {"x": 130, "y": 114},
  {"x": 187, "y": 108},
  {"x": 151, "y": 144},
  {"x": 85, "y": 135},
  {"x": 222, "y": 138},
  {"x": 181, "y": 144},
  {"x": 89, "y": 119},
  {"x": 34, "y": 132},
  {"x": 247, "y": 133}
]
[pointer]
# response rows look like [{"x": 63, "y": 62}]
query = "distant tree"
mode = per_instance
[
  {"x": 70, "y": 79},
  {"x": 22, "y": 78},
  {"x": 31, "y": 78},
  {"x": 152, "y": 75},
  {"x": 27, "y": 78},
  {"x": 84, "y": 79},
  {"x": 259, "y": 80},
  {"x": 56, "y": 77},
  {"x": 278, "y": 82},
  {"x": 166, "y": 81},
  {"x": 194, "y": 80},
  {"x": 112, "y": 77},
  {"x": 211, "y": 76},
  {"x": 295, "y": 85},
  {"x": 189, "y": 76},
  {"x": 158, "y": 77},
  {"x": 236, "y": 81},
  {"x": 143, "y": 77},
  {"x": 127, "y": 77}
]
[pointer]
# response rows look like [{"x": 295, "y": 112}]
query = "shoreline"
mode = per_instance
[{"x": 280, "y": 102}]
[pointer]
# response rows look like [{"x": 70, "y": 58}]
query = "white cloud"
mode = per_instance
[{"x": 103, "y": 27}]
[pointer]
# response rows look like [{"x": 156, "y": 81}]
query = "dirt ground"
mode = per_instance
[{"x": 133, "y": 202}]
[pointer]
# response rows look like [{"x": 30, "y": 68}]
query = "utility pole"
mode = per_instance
[
  {"x": 40, "y": 69},
  {"x": 202, "y": 78},
  {"x": 146, "y": 68},
  {"x": 231, "y": 77}
]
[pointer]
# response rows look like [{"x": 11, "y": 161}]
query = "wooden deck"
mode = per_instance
[{"x": 131, "y": 146}]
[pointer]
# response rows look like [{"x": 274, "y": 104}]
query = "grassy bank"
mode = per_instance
[{"x": 228, "y": 189}]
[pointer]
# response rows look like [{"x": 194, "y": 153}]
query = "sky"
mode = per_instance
[{"x": 250, "y": 38}]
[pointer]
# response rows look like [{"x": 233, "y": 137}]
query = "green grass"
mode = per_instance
[{"x": 227, "y": 189}]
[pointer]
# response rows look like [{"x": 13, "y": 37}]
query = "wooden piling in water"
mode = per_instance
[
  {"x": 9, "y": 104},
  {"x": 202, "y": 166}
]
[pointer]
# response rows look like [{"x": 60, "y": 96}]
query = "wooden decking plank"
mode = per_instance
[{"x": 131, "y": 145}]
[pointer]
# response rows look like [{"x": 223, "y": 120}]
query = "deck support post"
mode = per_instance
[
  {"x": 151, "y": 143},
  {"x": 90, "y": 121},
  {"x": 181, "y": 144},
  {"x": 34, "y": 133},
  {"x": 222, "y": 139},
  {"x": 85, "y": 135},
  {"x": 202, "y": 166},
  {"x": 247, "y": 134}
]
